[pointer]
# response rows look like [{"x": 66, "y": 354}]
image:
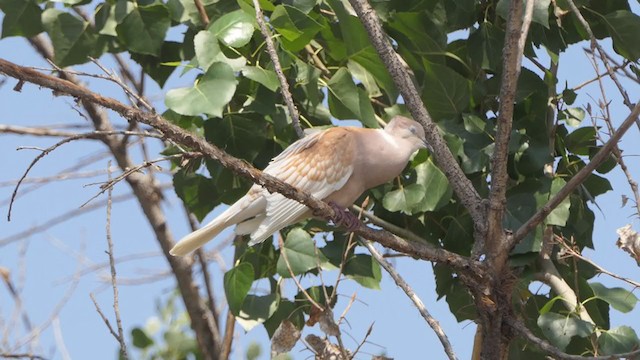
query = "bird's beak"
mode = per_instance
[{"x": 425, "y": 144}]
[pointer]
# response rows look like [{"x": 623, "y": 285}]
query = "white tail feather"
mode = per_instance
[{"x": 199, "y": 237}]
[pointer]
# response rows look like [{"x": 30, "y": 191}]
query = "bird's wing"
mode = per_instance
[{"x": 320, "y": 164}]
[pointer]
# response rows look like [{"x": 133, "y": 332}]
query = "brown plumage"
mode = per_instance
[{"x": 336, "y": 165}]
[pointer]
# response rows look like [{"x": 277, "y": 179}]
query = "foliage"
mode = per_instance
[{"x": 454, "y": 50}]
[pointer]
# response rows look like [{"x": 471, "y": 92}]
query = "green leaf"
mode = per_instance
[
  {"x": 619, "y": 298},
  {"x": 105, "y": 20},
  {"x": 572, "y": 116},
  {"x": 209, "y": 95},
  {"x": 268, "y": 78},
  {"x": 208, "y": 52},
  {"x": 143, "y": 28},
  {"x": 485, "y": 47},
  {"x": 301, "y": 254},
  {"x": 365, "y": 270},
  {"x": 540, "y": 10},
  {"x": 559, "y": 329},
  {"x": 21, "y": 18},
  {"x": 474, "y": 124},
  {"x": 234, "y": 29},
  {"x": 197, "y": 192},
  {"x": 237, "y": 283},
  {"x": 155, "y": 66},
  {"x": 437, "y": 191},
  {"x": 560, "y": 214},
  {"x": 73, "y": 40},
  {"x": 617, "y": 341},
  {"x": 404, "y": 199},
  {"x": 140, "y": 339},
  {"x": 624, "y": 27},
  {"x": 241, "y": 135},
  {"x": 347, "y": 101},
  {"x": 256, "y": 310},
  {"x": 448, "y": 92},
  {"x": 581, "y": 140},
  {"x": 296, "y": 27}
]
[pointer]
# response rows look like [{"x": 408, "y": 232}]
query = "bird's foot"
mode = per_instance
[{"x": 343, "y": 217}]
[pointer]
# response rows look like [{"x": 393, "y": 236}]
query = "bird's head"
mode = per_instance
[{"x": 407, "y": 130}]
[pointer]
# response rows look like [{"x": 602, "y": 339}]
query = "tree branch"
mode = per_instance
[
  {"x": 284, "y": 85},
  {"x": 544, "y": 345},
  {"x": 514, "y": 42},
  {"x": 149, "y": 199},
  {"x": 239, "y": 167},
  {"x": 576, "y": 180},
  {"x": 458, "y": 180}
]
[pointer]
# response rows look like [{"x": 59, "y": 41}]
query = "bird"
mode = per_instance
[{"x": 336, "y": 165}]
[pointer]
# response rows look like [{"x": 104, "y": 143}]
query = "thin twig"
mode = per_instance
[
  {"x": 545, "y": 346},
  {"x": 576, "y": 180},
  {"x": 433, "y": 323},
  {"x": 21, "y": 356},
  {"x": 202, "y": 12},
  {"x": 228, "y": 336},
  {"x": 45, "y": 152},
  {"x": 577, "y": 255},
  {"x": 595, "y": 46},
  {"x": 284, "y": 85},
  {"x": 112, "y": 266},
  {"x": 146, "y": 164},
  {"x": 58, "y": 177},
  {"x": 283, "y": 253},
  {"x": 67, "y": 216},
  {"x": 104, "y": 318}
]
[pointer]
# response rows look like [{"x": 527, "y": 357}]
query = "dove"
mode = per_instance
[{"x": 336, "y": 165}]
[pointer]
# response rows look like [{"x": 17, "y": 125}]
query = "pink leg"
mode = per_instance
[{"x": 343, "y": 217}]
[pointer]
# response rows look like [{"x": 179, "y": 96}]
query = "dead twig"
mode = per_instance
[
  {"x": 433, "y": 323},
  {"x": 45, "y": 152}
]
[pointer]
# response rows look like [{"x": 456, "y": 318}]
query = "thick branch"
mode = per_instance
[
  {"x": 239, "y": 167},
  {"x": 576, "y": 180},
  {"x": 514, "y": 41},
  {"x": 459, "y": 182}
]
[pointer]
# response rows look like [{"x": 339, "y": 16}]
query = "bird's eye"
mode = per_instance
[{"x": 412, "y": 129}]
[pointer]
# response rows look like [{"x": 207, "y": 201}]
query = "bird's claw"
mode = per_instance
[{"x": 343, "y": 217}]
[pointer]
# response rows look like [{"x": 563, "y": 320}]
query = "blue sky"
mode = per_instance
[{"x": 52, "y": 256}]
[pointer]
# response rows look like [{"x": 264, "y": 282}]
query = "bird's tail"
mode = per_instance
[{"x": 199, "y": 237}]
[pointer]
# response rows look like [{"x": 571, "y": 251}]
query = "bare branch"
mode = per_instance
[
  {"x": 462, "y": 186},
  {"x": 21, "y": 356},
  {"x": 45, "y": 152},
  {"x": 544, "y": 345},
  {"x": 433, "y": 323},
  {"x": 239, "y": 167},
  {"x": 112, "y": 266},
  {"x": 64, "y": 217},
  {"x": 596, "y": 46},
  {"x": 577, "y": 255},
  {"x": 284, "y": 85}
]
